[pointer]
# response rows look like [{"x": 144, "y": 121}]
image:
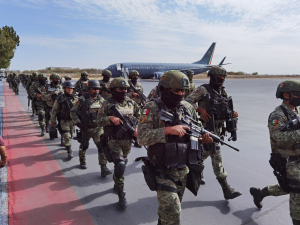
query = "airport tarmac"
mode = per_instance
[{"x": 254, "y": 100}]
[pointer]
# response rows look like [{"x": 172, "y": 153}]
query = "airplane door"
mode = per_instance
[{"x": 119, "y": 67}]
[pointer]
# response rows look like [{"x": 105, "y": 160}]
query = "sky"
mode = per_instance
[{"x": 256, "y": 36}]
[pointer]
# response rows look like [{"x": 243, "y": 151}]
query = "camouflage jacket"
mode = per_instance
[
  {"x": 34, "y": 87},
  {"x": 58, "y": 108},
  {"x": 196, "y": 99},
  {"x": 51, "y": 94},
  {"x": 95, "y": 105},
  {"x": 104, "y": 115},
  {"x": 151, "y": 130},
  {"x": 190, "y": 90},
  {"x": 80, "y": 84},
  {"x": 139, "y": 87},
  {"x": 153, "y": 94},
  {"x": 283, "y": 142},
  {"x": 104, "y": 93}
]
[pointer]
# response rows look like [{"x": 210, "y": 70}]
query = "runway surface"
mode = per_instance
[{"x": 254, "y": 100}]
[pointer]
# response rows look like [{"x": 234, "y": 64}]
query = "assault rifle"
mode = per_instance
[
  {"x": 126, "y": 126},
  {"x": 141, "y": 95},
  {"x": 293, "y": 124},
  {"x": 195, "y": 129}
]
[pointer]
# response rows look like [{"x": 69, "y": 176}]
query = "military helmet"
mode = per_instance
[
  {"x": 174, "y": 79},
  {"x": 84, "y": 73},
  {"x": 119, "y": 82},
  {"x": 217, "y": 70},
  {"x": 42, "y": 76},
  {"x": 190, "y": 72},
  {"x": 133, "y": 73},
  {"x": 68, "y": 77},
  {"x": 93, "y": 84},
  {"x": 106, "y": 73},
  {"x": 14, "y": 74},
  {"x": 55, "y": 76},
  {"x": 34, "y": 74},
  {"x": 287, "y": 86},
  {"x": 68, "y": 84}
]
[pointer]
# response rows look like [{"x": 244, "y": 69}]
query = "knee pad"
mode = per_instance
[
  {"x": 120, "y": 169},
  {"x": 41, "y": 116}
]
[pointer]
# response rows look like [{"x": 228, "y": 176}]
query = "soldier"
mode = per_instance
[
  {"x": 94, "y": 103},
  {"x": 8, "y": 80},
  {"x": 154, "y": 132},
  {"x": 190, "y": 75},
  {"x": 52, "y": 92},
  {"x": 31, "y": 80},
  {"x": 36, "y": 90},
  {"x": 15, "y": 82},
  {"x": 104, "y": 83},
  {"x": 216, "y": 91},
  {"x": 61, "y": 109},
  {"x": 68, "y": 78},
  {"x": 81, "y": 84},
  {"x": 133, "y": 76},
  {"x": 285, "y": 150},
  {"x": 119, "y": 147}
]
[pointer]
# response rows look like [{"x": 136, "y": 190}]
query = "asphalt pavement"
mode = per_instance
[{"x": 254, "y": 100}]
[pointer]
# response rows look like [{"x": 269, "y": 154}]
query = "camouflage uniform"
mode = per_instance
[
  {"x": 94, "y": 131},
  {"x": 216, "y": 159},
  {"x": 66, "y": 123},
  {"x": 81, "y": 85},
  {"x": 139, "y": 87},
  {"x": 15, "y": 81},
  {"x": 103, "y": 92},
  {"x": 153, "y": 93},
  {"x": 31, "y": 80},
  {"x": 118, "y": 148},
  {"x": 39, "y": 103}
]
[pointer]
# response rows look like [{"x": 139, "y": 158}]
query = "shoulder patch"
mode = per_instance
[
  {"x": 143, "y": 118},
  {"x": 145, "y": 111}
]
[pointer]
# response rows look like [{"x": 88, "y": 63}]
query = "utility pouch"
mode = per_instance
[
  {"x": 194, "y": 178},
  {"x": 182, "y": 155},
  {"x": 52, "y": 132},
  {"x": 171, "y": 154},
  {"x": 149, "y": 173},
  {"x": 283, "y": 181},
  {"x": 93, "y": 116},
  {"x": 109, "y": 130}
]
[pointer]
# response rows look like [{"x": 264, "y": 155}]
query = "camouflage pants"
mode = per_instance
[
  {"x": 40, "y": 111},
  {"x": 68, "y": 130},
  {"x": 95, "y": 134},
  {"x": 47, "y": 114},
  {"x": 122, "y": 147},
  {"x": 169, "y": 209},
  {"x": 16, "y": 89},
  {"x": 217, "y": 163},
  {"x": 293, "y": 173}
]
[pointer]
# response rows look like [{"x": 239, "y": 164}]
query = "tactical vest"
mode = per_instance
[
  {"x": 104, "y": 94},
  {"x": 223, "y": 107},
  {"x": 50, "y": 88},
  {"x": 128, "y": 113},
  {"x": 84, "y": 85},
  {"x": 176, "y": 152},
  {"x": 94, "y": 106},
  {"x": 65, "y": 106}
]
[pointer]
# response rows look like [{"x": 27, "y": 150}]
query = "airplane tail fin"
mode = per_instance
[
  {"x": 207, "y": 58},
  {"x": 221, "y": 63}
]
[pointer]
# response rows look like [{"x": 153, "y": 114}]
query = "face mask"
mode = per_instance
[
  {"x": 55, "y": 82},
  {"x": 84, "y": 78},
  {"x": 119, "y": 96},
  {"x": 69, "y": 95},
  {"x": 171, "y": 99},
  {"x": 216, "y": 82},
  {"x": 42, "y": 81},
  {"x": 95, "y": 94},
  {"x": 134, "y": 80},
  {"x": 106, "y": 78},
  {"x": 295, "y": 102}
]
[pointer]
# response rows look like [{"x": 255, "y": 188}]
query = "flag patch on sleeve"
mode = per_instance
[
  {"x": 145, "y": 111},
  {"x": 274, "y": 122}
]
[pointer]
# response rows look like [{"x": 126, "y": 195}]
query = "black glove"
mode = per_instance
[{"x": 81, "y": 126}]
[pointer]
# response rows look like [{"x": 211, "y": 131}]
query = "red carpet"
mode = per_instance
[{"x": 39, "y": 193}]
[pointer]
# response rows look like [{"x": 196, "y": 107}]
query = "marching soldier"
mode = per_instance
[
  {"x": 285, "y": 146},
  {"x": 119, "y": 147},
  {"x": 133, "y": 76},
  {"x": 168, "y": 145},
  {"x": 92, "y": 102},
  {"x": 36, "y": 91},
  {"x": 216, "y": 91},
  {"x": 81, "y": 84},
  {"x": 104, "y": 83},
  {"x": 61, "y": 109}
]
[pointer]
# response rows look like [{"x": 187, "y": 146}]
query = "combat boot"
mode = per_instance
[
  {"x": 202, "y": 181},
  {"x": 229, "y": 193},
  {"x": 122, "y": 199},
  {"x": 296, "y": 222},
  {"x": 70, "y": 152},
  {"x": 137, "y": 145},
  {"x": 43, "y": 130},
  {"x": 47, "y": 128},
  {"x": 258, "y": 195},
  {"x": 82, "y": 159},
  {"x": 105, "y": 171}
]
